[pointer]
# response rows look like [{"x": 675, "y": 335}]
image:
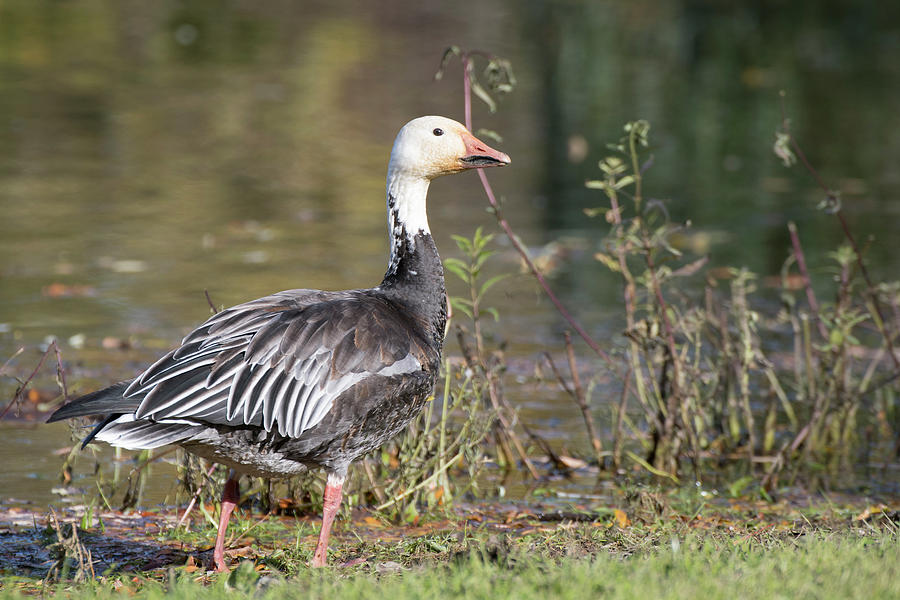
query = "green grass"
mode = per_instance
[{"x": 850, "y": 564}]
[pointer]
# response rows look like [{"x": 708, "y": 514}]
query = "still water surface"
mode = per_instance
[{"x": 152, "y": 151}]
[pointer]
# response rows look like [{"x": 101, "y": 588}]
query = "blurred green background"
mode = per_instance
[
  {"x": 150, "y": 150},
  {"x": 153, "y": 150}
]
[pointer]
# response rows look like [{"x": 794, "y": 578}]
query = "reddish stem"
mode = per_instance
[
  {"x": 504, "y": 225},
  {"x": 20, "y": 393},
  {"x": 801, "y": 265},
  {"x": 882, "y": 326}
]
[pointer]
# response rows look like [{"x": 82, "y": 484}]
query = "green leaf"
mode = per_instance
[
  {"x": 448, "y": 54},
  {"x": 410, "y": 514},
  {"x": 463, "y": 242},
  {"x": 485, "y": 240},
  {"x": 737, "y": 487},
  {"x": 462, "y": 306},
  {"x": 489, "y": 133},
  {"x": 479, "y": 261},
  {"x": 490, "y": 283},
  {"x": 613, "y": 165},
  {"x": 482, "y": 94},
  {"x": 639, "y": 130},
  {"x": 493, "y": 312},
  {"x": 457, "y": 267},
  {"x": 620, "y": 183},
  {"x": 500, "y": 75},
  {"x": 595, "y": 212},
  {"x": 596, "y": 184},
  {"x": 611, "y": 264}
]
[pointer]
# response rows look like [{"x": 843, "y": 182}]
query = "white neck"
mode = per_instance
[
  {"x": 408, "y": 192},
  {"x": 407, "y": 216}
]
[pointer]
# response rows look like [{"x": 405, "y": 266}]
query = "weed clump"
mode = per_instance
[{"x": 696, "y": 366}]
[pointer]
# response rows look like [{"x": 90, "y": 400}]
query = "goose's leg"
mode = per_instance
[
  {"x": 230, "y": 497},
  {"x": 329, "y": 510}
]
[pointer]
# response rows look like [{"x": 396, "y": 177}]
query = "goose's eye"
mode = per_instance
[{"x": 438, "y": 131}]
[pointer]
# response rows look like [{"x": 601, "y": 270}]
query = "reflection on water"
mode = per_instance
[
  {"x": 153, "y": 150},
  {"x": 32, "y": 461}
]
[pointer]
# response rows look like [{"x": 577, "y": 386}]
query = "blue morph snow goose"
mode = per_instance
[{"x": 307, "y": 378}]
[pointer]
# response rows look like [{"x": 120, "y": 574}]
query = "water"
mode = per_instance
[{"x": 152, "y": 151}]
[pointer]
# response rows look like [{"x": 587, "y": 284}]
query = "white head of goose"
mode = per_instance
[{"x": 307, "y": 378}]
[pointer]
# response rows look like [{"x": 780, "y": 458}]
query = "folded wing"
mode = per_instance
[{"x": 279, "y": 362}]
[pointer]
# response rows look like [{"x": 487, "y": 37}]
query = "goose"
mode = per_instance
[{"x": 305, "y": 378}]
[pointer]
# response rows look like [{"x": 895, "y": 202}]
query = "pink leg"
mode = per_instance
[
  {"x": 329, "y": 510},
  {"x": 230, "y": 497}
]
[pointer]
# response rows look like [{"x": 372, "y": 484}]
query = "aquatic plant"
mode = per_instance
[{"x": 695, "y": 368}]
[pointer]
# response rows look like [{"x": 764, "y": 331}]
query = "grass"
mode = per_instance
[
  {"x": 847, "y": 564},
  {"x": 669, "y": 544}
]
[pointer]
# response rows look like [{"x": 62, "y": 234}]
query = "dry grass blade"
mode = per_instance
[{"x": 69, "y": 552}]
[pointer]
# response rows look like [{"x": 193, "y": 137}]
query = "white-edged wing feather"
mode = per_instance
[{"x": 279, "y": 362}]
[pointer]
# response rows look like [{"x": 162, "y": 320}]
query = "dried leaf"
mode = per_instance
[
  {"x": 782, "y": 148},
  {"x": 482, "y": 94},
  {"x": 607, "y": 260},
  {"x": 489, "y": 133},
  {"x": 373, "y": 522},
  {"x": 869, "y": 512},
  {"x": 621, "y": 519},
  {"x": 571, "y": 462},
  {"x": 448, "y": 54},
  {"x": 690, "y": 268}
]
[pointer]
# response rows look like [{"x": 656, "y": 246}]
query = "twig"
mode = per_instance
[
  {"x": 20, "y": 393},
  {"x": 577, "y": 394},
  {"x": 10, "y": 359},
  {"x": 239, "y": 534},
  {"x": 497, "y": 401},
  {"x": 620, "y": 418},
  {"x": 376, "y": 489},
  {"x": 210, "y": 302},
  {"x": 779, "y": 460},
  {"x": 562, "y": 381},
  {"x": 193, "y": 501},
  {"x": 545, "y": 446},
  {"x": 69, "y": 548},
  {"x": 654, "y": 282},
  {"x": 882, "y": 327},
  {"x": 801, "y": 265},
  {"x": 629, "y": 295},
  {"x": 133, "y": 496},
  {"x": 466, "y": 58},
  {"x": 422, "y": 484},
  {"x": 473, "y": 362},
  {"x": 60, "y": 372}
]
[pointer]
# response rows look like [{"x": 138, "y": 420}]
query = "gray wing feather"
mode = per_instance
[
  {"x": 279, "y": 362},
  {"x": 125, "y": 432}
]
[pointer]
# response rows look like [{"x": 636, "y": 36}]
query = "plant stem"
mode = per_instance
[
  {"x": 880, "y": 322},
  {"x": 581, "y": 401},
  {"x": 801, "y": 265},
  {"x": 504, "y": 225}
]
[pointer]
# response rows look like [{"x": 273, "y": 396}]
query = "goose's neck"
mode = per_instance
[
  {"x": 406, "y": 212},
  {"x": 415, "y": 275}
]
